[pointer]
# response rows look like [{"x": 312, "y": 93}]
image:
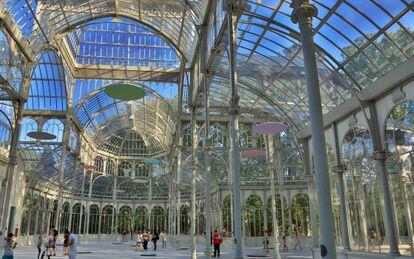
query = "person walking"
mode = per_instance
[
  {"x": 40, "y": 243},
  {"x": 8, "y": 246},
  {"x": 164, "y": 238},
  {"x": 155, "y": 238},
  {"x": 55, "y": 237},
  {"x": 51, "y": 243},
  {"x": 297, "y": 239},
  {"x": 217, "y": 240},
  {"x": 285, "y": 247},
  {"x": 72, "y": 244},
  {"x": 145, "y": 238},
  {"x": 138, "y": 246},
  {"x": 266, "y": 241}
]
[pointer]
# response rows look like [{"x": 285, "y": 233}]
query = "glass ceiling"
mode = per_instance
[
  {"x": 119, "y": 127},
  {"x": 120, "y": 42},
  {"x": 41, "y": 21},
  {"x": 357, "y": 42}
]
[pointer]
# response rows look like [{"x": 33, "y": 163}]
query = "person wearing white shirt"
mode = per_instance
[{"x": 72, "y": 244}]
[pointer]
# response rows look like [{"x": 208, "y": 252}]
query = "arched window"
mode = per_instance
[
  {"x": 185, "y": 219},
  {"x": 110, "y": 167},
  {"x": 102, "y": 187},
  {"x": 301, "y": 214},
  {"x": 157, "y": 219},
  {"x": 93, "y": 219},
  {"x": 218, "y": 134},
  {"x": 399, "y": 137},
  {"x": 362, "y": 187},
  {"x": 47, "y": 90},
  {"x": 28, "y": 125},
  {"x": 282, "y": 214},
  {"x": 99, "y": 164},
  {"x": 140, "y": 218},
  {"x": 124, "y": 219},
  {"x": 245, "y": 137},
  {"x": 78, "y": 218},
  {"x": 254, "y": 216},
  {"x": 55, "y": 127},
  {"x": 227, "y": 214},
  {"x": 64, "y": 221},
  {"x": 125, "y": 169},
  {"x": 141, "y": 170},
  {"x": 106, "y": 219}
]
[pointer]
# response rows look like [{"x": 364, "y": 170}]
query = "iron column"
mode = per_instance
[
  {"x": 303, "y": 12},
  {"x": 234, "y": 128}
]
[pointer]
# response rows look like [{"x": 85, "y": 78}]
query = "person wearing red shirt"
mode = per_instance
[{"x": 217, "y": 240}]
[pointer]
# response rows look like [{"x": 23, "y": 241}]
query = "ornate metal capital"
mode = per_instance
[
  {"x": 339, "y": 169},
  {"x": 379, "y": 155},
  {"x": 302, "y": 9}
]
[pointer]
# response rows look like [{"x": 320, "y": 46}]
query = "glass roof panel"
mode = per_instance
[
  {"x": 120, "y": 42},
  {"x": 42, "y": 20}
]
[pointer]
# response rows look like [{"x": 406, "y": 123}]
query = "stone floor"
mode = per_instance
[{"x": 126, "y": 250}]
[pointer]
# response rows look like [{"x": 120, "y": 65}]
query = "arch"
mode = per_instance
[
  {"x": 78, "y": 218},
  {"x": 64, "y": 216},
  {"x": 218, "y": 135},
  {"x": 246, "y": 140},
  {"x": 142, "y": 170},
  {"x": 293, "y": 170},
  {"x": 227, "y": 214},
  {"x": 301, "y": 214},
  {"x": 102, "y": 187},
  {"x": 157, "y": 219},
  {"x": 253, "y": 216},
  {"x": 141, "y": 219},
  {"x": 125, "y": 169},
  {"x": 110, "y": 167},
  {"x": 93, "y": 219},
  {"x": 106, "y": 219},
  {"x": 282, "y": 215},
  {"x": 185, "y": 219},
  {"x": 48, "y": 88},
  {"x": 99, "y": 164},
  {"x": 55, "y": 127},
  {"x": 399, "y": 141},
  {"x": 125, "y": 218},
  {"x": 28, "y": 125}
]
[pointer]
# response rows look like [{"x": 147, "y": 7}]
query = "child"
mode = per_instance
[{"x": 138, "y": 245}]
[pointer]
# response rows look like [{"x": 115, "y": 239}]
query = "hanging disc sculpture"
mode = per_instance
[
  {"x": 41, "y": 135},
  {"x": 125, "y": 92}
]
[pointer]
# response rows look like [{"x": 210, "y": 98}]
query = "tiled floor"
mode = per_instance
[{"x": 126, "y": 250}]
